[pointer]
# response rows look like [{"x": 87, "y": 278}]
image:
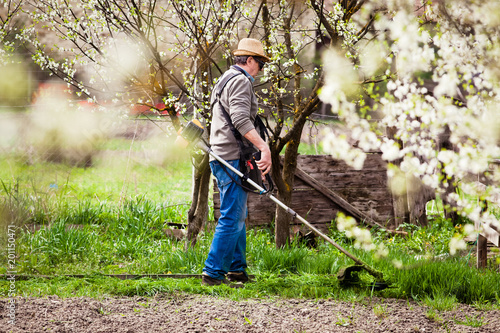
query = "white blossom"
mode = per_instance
[
  {"x": 458, "y": 97},
  {"x": 457, "y": 244}
]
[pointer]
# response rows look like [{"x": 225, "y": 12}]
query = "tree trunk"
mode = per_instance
[
  {"x": 482, "y": 252},
  {"x": 285, "y": 190},
  {"x": 450, "y": 182},
  {"x": 198, "y": 212},
  {"x": 282, "y": 222},
  {"x": 418, "y": 195}
]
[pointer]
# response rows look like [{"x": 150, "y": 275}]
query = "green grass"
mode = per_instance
[
  {"x": 450, "y": 278},
  {"x": 441, "y": 302},
  {"x": 312, "y": 287},
  {"x": 311, "y": 149},
  {"x": 472, "y": 321},
  {"x": 132, "y": 242},
  {"x": 109, "y": 220}
]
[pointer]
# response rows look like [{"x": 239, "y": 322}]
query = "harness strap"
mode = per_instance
[{"x": 224, "y": 81}]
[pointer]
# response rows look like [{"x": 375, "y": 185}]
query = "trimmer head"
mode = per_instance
[
  {"x": 348, "y": 277},
  {"x": 345, "y": 274}
]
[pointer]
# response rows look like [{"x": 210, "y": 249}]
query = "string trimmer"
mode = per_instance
[{"x": 192, "y": 133}]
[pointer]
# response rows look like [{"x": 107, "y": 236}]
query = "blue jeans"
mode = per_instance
[{"x": 228, "y": 250}]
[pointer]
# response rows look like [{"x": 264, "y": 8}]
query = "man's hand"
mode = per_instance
[{"x": 264, "y": 164}]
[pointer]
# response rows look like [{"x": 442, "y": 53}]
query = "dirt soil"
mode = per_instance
[{"x": 188, "y": 313}]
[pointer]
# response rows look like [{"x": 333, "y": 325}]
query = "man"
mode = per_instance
[{"x": 227, "y": 255}]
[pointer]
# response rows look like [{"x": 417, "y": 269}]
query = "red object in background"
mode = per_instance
[
  {"x": 141, "y": 109},
  {"x": 61, "y": 89},
  {"x": 47, "y": 89},
  {"x": 86, "y": 104}
]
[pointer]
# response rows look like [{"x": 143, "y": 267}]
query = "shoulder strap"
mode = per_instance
[
  {"x": 224, "y": 81},
  {"x": 258, "y": 124},
  {"x": 222, "y": 84}
]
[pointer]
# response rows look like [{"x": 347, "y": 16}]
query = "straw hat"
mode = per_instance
[{"x": 250, "y": 47}]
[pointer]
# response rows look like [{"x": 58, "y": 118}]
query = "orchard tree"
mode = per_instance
[
  {"x": 433, "y": 74},
  {"x": 292, "y": 32},
  {"x": 125, "y": 53}
]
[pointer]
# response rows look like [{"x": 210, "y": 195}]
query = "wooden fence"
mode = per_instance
[{"x": 324, "y": 186}]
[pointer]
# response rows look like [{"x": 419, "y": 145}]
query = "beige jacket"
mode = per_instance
[{"x": 239, "y": 100}]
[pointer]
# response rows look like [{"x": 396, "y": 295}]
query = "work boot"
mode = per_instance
[
  {"x": 210, "y": 281},
  {"x": 207, "y": 280},
  {"x": 237, "y": 277}
]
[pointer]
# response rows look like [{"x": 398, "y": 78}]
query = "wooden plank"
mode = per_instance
[
  {"x": 366, "y": 190},
  {"x": 322, "y": 163},
  {"x": 314, "y": 207},
  {"x": 490, "y": 232},
  {"x": 381, "y": 195},
  {"x": 309, "y": 202},
  {"x": 333, "y": 179},
  {"x": 335, "y": 198}
]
